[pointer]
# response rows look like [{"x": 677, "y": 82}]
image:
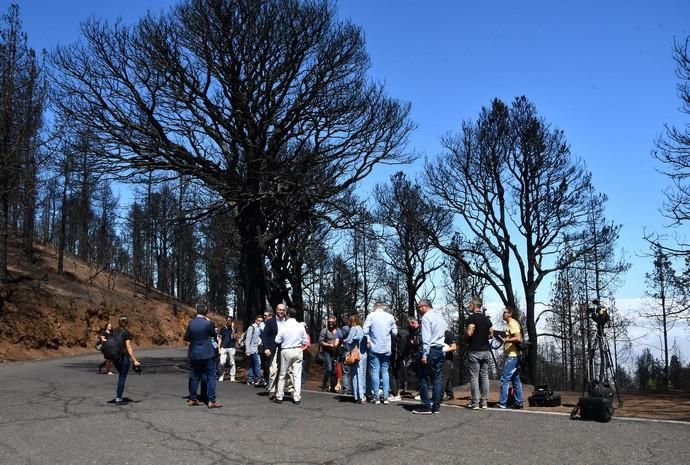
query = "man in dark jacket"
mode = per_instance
[
  {"x": 201, "y": 334},
  {"x": 402, "y": 359},
  {"x": 271, "y": 349}
]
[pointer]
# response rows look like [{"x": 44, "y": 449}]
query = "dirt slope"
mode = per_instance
[{"x": 44, "y": 314}]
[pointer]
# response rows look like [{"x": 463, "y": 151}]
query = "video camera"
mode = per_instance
[{"x": 598, "y": 313}]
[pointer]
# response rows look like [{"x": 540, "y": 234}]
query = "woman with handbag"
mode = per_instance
[{"x": 356, "y": 358}]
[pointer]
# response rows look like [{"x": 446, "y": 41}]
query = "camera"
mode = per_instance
[{"x": 598, "y": 313}]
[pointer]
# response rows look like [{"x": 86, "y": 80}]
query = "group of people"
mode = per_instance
[
  {"x": 379, "y": 371},
  {"x": 275, "y": 345},
  {"x": 385, "y": 351},
  {"x": 372, "y": 356}
]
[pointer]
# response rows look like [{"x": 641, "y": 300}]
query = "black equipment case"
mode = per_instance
[
  {"x": 596, "y": 403},
  {"x": 596, "y": 408},
  {"x": 543, "y": 397}
]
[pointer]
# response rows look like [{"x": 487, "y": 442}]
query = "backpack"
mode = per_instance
[{"x": 114, "y": 347}]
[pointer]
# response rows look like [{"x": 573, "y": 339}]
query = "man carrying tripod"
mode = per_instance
[{"x": 511, "y": 366}]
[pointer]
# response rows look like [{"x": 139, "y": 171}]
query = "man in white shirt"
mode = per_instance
[
  {"x": 379, "y": 327},
  {"x": 291, "y": 338}
]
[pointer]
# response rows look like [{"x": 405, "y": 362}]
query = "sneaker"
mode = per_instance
[
  {"x": 297, "y": 402},
  {"x": 385, "y": 402},
  {"x": 110, "y": 373},
  {"x": 232, "y": 379},
  {"x": 483, "y": 405},
  {"x": 417, "y": 397},
  {"x": 474, "y": 406},
  {"x": 220, "y": 380},
  {"x": 501, "y": 406},
  {"x": 377, "y": 402},
  {"x": 278, "y": 401},
  {"x": 193, "y": 403},
  {"x": 518, "y": 407},
  {"x": 435, "y": 411},
  {"x": 395, "y": 398},
  {"x": 214, "y": 405},
  {"x": 422, "y": 411}
]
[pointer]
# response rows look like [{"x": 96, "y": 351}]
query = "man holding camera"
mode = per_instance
[
  {"x": 511, "y": 367},
  {"x": 226, "y": 347}
]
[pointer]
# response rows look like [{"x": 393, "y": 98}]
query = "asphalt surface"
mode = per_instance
[{"x": 56, "y": 412}]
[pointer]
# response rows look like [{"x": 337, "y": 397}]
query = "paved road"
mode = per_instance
[{"x": 55, "y": 412}]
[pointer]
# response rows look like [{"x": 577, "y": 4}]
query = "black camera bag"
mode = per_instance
[
  {"x": 543, "y": 397},
  {"x": 597, "y": 403},
  {"x": 596, "y": 408},
  {"x": 544, "y": 401}
]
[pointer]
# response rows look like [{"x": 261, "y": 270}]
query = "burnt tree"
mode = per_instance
[{"x": 229, "y": 93}]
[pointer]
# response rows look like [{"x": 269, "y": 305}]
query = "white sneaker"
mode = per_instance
[
  {"x": 220, "y": 380},
  {"x": 232, "y": 379},
  {"x": 395, "y": 398},
  {"x": 377, "y": 402},
  {"x": 417, "y": 397}
]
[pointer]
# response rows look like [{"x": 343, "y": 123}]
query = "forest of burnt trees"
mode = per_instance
[{"x": 217, "y": 153}]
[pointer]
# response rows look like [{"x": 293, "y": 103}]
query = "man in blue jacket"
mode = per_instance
[{"x": 201, "y": 333}]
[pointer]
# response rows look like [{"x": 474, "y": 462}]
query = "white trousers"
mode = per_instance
[
  {"x": 227, "y": 356},
  {"x": 290, "y": 365}
]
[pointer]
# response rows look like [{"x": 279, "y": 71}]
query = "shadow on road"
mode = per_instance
[{"x": 149, "y": 365}]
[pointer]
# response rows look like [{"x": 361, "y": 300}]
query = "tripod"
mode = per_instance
[{"x": 606, "y": 367}]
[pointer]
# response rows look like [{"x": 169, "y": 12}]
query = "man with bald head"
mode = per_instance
[{"x": 271, "y": 349}]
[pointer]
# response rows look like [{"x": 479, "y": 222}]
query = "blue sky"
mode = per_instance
[{"x": 600, "y": 70}]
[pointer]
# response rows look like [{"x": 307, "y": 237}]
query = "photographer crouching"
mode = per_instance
[{"x": 511, "y": 365}]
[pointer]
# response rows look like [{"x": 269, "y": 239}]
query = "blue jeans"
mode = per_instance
[
  {"x": 433, "y": 367},
  {"x": 305, "y": 368},
  {"x": 203, "y": 368},
  {"x": 358, "y": 376},
  {"x": 379, "y": 369},
  {"x": 254, "y": 373},
  {"x": 328, "y": 380},
  {"x": 479, "y": 376},
  {"x": 511, "y": 374},
  {"x": 122, "y": 367}
]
